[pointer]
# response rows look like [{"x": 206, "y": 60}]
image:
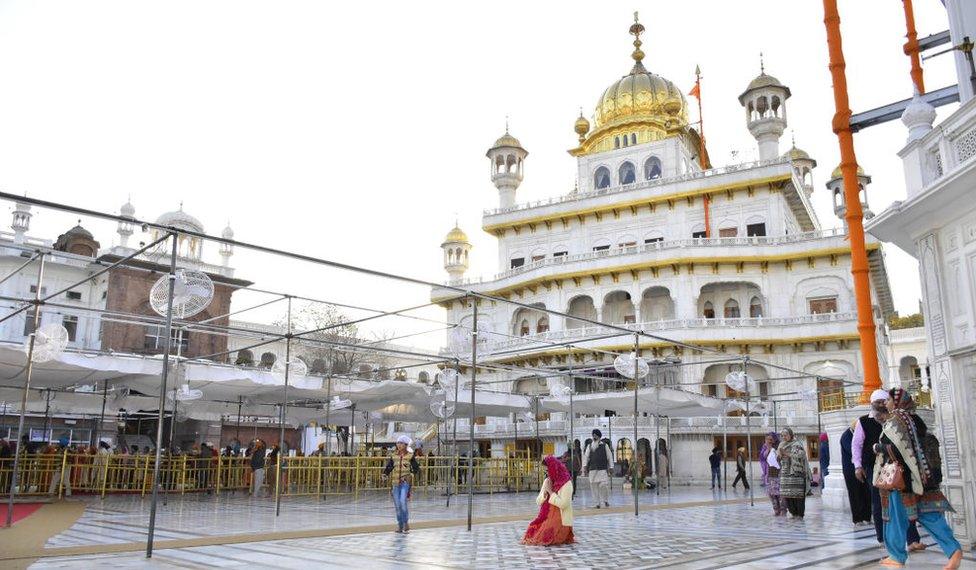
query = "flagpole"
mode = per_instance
[{"x": 696, "y": 92}]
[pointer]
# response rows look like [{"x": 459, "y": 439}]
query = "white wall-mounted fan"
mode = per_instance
[
  {"x": 192, "y": 292},
  {"x": 739, "y": 381},
  {"x": 50, "y": 340},
  {"x": 185, "y": 394},
  {"x": 447, "y": 378},
  {"x": 440, "y": 405},
  {"x": 339, "y": 403},
  {"x": 624, "y": 365},
  {"x": 461, "y": 342},
  {"x": 296, "y": 367}
]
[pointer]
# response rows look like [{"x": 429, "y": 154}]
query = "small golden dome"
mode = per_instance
[
  {"x": 582, "y": 126},
  {"x": 837, "y": 173},
  {"x": 456, "y": 235},
  {"x": 507, "y": 140},
  {"x": 763, "y": 81},
  {"x": 796, "y": 154}
]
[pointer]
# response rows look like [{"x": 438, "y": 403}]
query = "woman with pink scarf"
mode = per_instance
[{"x": 554, "y": 525}]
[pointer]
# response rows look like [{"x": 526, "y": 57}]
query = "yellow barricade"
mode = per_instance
[{"x": 64, "y": 473}]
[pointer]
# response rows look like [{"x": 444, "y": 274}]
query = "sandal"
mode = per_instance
[
  {"x": 917, "y": 547},
  {"x": 891, "y": 563}
]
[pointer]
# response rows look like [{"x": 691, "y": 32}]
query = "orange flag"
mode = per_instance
[{"x": 696, "y": 90}]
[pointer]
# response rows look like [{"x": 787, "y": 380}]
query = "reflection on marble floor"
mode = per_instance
[
  {"x": 119, "y": 519},
  {"x": 709, "y": 537}
]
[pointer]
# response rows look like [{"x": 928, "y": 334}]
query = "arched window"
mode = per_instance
[
  {"x": 542, "y": 326},
  {"x": 626, "y": 140},
  {"x": 755, "y": 308},
  {"x": 616, "y": 142},
  {"x": 633, "y": 138},
  {"x": 652, "y": 168},
  {"x": 524, "y": 327},
  {"x": 627, "y": 173},
  {"x": 601, "y": 179},
  {"x": 731, "y": 309},
  {"x": 709, "y": 310}
]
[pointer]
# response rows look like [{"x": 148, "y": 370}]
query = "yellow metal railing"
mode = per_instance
[
  {"x": 840, "y": 400},
  {"x": 64, "y": 473}
]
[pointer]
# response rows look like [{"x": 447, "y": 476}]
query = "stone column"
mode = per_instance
[{"x": 834, "y": 424}]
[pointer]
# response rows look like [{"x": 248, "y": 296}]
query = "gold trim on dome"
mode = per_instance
[{"x": 641, "y": 103}]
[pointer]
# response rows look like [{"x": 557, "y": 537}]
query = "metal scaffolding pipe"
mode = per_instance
[
  {"x": 163, "y": 379},
  {"x": 21, "y": 448}
]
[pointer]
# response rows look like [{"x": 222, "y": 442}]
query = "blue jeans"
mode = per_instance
[
  {"x": 716, "y": 477},
  {"x": 896, "y": 530},
  {"x": 400, "y": 492}
]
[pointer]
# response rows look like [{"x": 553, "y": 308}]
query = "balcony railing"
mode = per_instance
[
  {"x": 833, "y": 401},
  {"x": 750, "y": 241},
  {"x": 673, "y": 324},
  {"x": 639, "y": 185}
]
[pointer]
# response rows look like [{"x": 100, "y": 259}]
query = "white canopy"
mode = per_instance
[{"x": 658, "y": 401}]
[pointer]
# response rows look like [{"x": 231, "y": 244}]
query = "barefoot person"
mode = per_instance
[
  {"x": 400, "y": 469},
  {"x": 554, "y": 525},
  {"x": 905, "y": 440}
]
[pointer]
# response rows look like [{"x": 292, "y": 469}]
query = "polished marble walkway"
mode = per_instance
[
  {"x": 700, "y": 537},
  {"x": 121, "y": 519}
]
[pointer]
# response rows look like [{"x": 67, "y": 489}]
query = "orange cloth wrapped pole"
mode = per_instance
[
  {"x": 854, "y": 215},
  {"x": 911, "y": 46}
]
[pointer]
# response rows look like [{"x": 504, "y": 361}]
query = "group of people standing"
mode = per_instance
[
  {"x": 787, "y": 474},
  {"x": 893, "y": 472}
]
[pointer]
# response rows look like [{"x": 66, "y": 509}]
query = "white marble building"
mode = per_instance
[
  {"x": 936, "y": 223},
  {"x": 655, "y": 238}
]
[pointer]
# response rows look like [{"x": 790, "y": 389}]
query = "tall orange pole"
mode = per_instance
[
  {"x": 854, "y": 215},
  {"x": 911, "y": 46}
]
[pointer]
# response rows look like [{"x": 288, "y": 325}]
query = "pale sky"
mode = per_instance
[{"x": 356, "y": 131}]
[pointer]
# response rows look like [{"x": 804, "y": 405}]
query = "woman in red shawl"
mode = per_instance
[{"x": 554, "y": 525}]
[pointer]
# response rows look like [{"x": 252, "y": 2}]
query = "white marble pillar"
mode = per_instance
[{"x": 834, "y": 424}]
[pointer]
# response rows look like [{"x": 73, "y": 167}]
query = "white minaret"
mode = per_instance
[
  {"x": 803, "y": 166},
  {"x": 21, "y": 221},
  {"x": 765, "y": 103},
  {"x": 836, "y": 187},
  {"x": 507, "y": 157},
  {"x": 456, "y": 250},
  {"x": 227, "y": 250},
  {"x": 126, "y": 228}
]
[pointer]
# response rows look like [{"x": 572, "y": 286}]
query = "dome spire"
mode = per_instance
[
  {"x": 636, "y": 30},
  {"x": 762, "y": 64}
]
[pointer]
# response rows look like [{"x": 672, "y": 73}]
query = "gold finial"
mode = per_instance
[
  {"x": 636, "y": 30},
  {"x": 581, "y": 127},
  {"x": 793, "y": 136},
  {"x": 762, "y": 65},
  {"x": 506, "y": 124}
]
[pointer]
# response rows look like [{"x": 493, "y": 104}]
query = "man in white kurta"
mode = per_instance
[{"x": 597, "y": 462}]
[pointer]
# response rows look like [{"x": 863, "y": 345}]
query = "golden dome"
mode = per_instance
[
  {"x": 641, "y": 104},
  {"x": 456, "y": 235},
  {"x": 582, "y": 126},
  {"x": 506, "y": 140},
  {"x": 837, "y": 174},
  {"x": 763, "y": 81}
]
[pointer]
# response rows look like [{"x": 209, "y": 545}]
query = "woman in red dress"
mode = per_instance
[{"x": 554, "y": 525}]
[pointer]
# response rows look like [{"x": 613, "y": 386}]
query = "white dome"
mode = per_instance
[
  {"x": 181, "y": 220},
  {"x": 228, "y": 233},
  {"x": 128, "y": 210}
]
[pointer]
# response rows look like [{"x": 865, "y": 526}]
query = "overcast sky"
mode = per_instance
[{"x": 356, "y": 131}]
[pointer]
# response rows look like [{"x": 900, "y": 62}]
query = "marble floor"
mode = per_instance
[
  {"x": 121, "y": 519},
  {"x": 711, "y": 536}
]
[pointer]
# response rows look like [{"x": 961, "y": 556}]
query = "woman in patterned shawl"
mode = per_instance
[
  {"x": 921, "y": 500},
  {"x": 772, "y": 473},
  {"x": 794, "y": 473},
  {"x": 554, "y": 525}
]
